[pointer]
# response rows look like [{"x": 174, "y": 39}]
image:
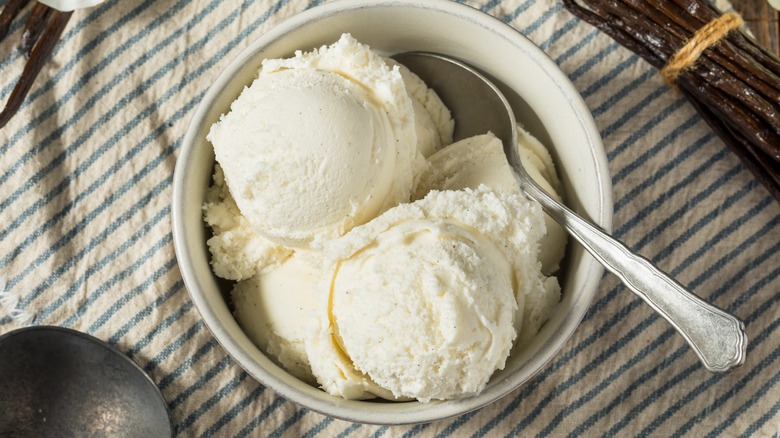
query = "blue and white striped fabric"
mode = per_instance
[{"x": 85, "y": 231}]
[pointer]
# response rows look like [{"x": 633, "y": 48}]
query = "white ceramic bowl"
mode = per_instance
[{"x": 544, "y": 101}]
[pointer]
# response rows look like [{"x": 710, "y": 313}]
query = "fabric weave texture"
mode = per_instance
[{"x": 86, "y": 170}]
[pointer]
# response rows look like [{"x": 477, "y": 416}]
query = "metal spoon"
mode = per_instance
[
  {"x": 477, "y": 106},
  {"x": 60, "y": 382}
]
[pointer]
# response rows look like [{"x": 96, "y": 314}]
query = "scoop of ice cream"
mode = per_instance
[
  {"x": 426, "y": 312},
  {"x": 237, "y": 251},
  {"x": 319, "y": 143},
  {"x": 481, "y": 160},
  {"x": 330, "y": 364},
  {"x": 272, "y": 308},
  {"x": 425, "y": 301}
]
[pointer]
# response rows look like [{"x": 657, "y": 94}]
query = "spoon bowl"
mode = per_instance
[
  {"x": 478, "y": 106},
  {"x": 61, "y": 382}
]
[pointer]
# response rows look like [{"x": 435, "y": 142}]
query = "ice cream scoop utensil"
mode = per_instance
[
  {"x": 477, "y": 106},
  {"x": 60, "y": 382}
]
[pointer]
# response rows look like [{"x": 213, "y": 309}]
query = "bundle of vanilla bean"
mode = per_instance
[{"x": 732, "y": 81}]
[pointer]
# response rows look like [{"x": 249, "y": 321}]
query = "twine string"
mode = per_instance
[{"x": 705, "y": 37}]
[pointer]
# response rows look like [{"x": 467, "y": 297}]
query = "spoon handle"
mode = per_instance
[{"x": 717, "y": 337}]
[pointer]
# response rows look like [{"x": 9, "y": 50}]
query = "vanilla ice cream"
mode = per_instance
[
  {"x": 237, "y": 251},
  {"x": 272, "y": 308},
  {"x": 425, "y": 300},
  {"x": 480, "y": 160},
  {"x": 372, "y": 257},
  {"x": 319, "y": 143}
]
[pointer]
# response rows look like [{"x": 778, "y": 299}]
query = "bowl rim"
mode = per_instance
[{"x": 325, "y": 404}]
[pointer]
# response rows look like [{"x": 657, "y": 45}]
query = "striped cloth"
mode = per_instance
[{"x": 85, "y": 231}]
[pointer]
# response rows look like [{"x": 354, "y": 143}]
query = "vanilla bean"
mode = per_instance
[
  {"x": 723, "y": 53},
  {"x": 746, "y": 68},
  {"x": 767, "y": 172},
  {"x": 762, "y": 56},
  {"x": 660, "y": 15},
  {"x": 33, "y": 29},
  {"x": 740, "y": 93},
  {"x": 38, "y": 57},
  {"x": 734, "y": 84},
  {"x": 706, "y": 12},
  {"x": 698, "y": 13},
  {"x": 10, "y": 11},
  {"x": 733, "y": 114},
  {"x": 613, "y": 26},
  {"x": 675, "y": 12},
  {"x": 658, "y": 39}
]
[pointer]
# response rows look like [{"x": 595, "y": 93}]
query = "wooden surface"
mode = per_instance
[{"x": 762, "y": 20}]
